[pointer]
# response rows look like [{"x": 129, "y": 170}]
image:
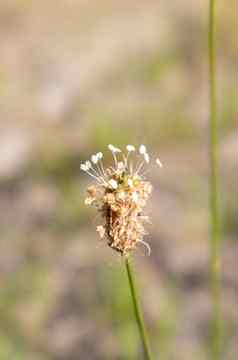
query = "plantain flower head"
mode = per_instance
[{"x": 120, "y": 194}]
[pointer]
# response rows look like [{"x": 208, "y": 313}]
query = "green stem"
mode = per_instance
[
  {"x": 138, "y": 314},
  {"x": 214, "y": 208}
]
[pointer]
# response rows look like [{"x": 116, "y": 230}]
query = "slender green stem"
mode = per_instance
[
  {"x": 214, "y": 207},
  {"x": 137, "y": 310}
]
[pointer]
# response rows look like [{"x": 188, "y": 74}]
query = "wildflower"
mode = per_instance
[{"x": 120, "y": 195}]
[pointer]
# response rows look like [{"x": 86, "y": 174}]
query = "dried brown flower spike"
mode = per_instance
[{"x": 120, "y": 195}]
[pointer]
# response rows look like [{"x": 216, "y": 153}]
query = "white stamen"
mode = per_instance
[
  {"x": 113, "y": 149},
  {"x": 116, "y": 149},
  {"x": 83, "y": 167},
  {"x": 135, "y": 196},
  {"x": 96, "y": 177},
  {"x": 147, "y": 158},
  {"x": 146, "y": 245},
  {"x": 121, "y": 165},
  {"x": 94, "y": 159},
  {"x": 142, "y": 150},
  {"x": 99, "y": 155},
  {"x": 113, "y": 184},
  {"x": 97, "y": 173},
  {"x": 100, "y": 171},
  {"x": 88, "y": 164},
  {"x": 158, "y": 162},
  {"x": 130, "y": 148},
  {"x": 102, "y": 168},
  {"x": 130, "y": 183},
  {"x": 142, "y": 163}
]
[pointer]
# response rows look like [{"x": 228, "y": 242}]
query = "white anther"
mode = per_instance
[
  {"x": 83, "y": 167},
  {"x": 113, "y": 149},
  {"x": 99, "y": 155},
  {"x": 113, "y": 184},
  {"x": 142, "y": 150},
  {"x": 116, "y": 149},
  {"x": 94, "y": 159},
  {"x": 130, "y": 148}
]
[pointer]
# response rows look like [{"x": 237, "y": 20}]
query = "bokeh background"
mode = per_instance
[{"x": 75, "y": 76}]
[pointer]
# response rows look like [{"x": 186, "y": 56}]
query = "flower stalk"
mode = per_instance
[
  {"x": 120, "y": 193},
  {"x": 137, "y": 311},
  {"x": 215, "y": 267}
]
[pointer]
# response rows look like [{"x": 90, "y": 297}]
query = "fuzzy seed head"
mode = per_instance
[{"x": 120, "y": 195}]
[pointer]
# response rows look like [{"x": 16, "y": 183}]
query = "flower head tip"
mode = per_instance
[{"x": 120, "y": 195}]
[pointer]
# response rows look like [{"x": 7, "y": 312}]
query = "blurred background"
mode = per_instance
[{"x": 75, "y": 76}]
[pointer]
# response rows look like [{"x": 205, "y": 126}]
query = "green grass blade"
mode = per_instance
[
  {"x": 215, "y": 267},
  {"x": 137, "y": 310}
]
